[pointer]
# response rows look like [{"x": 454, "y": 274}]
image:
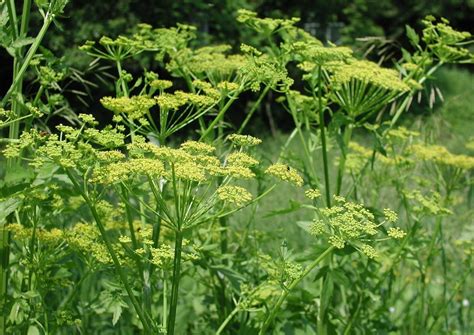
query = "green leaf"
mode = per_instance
[
  {"x": 322, "y": 272},
  {"x": 58, "y": 6},
  {"x": 294, "y": 206},
  {"x": 117, "y": 312},
  {"x": 406, "y": 55},
  {"x": 18, "y": 174},
  {"x": 3, "y": 15},
  {"x": 8, "y": 191},
  {"x": 22, "y": 41},
  {"x": 33, "y": 330},
  {"x": 138, "y": 82},
  {"x": 347, "y": 250},
  {"x": 340, "y": 278},
  {"x": 328, "y": 288},
  {"x": 41, "y": 3},
  {"x": 234, "y": 277},
  {"x": 7, "y": 207},
  {"x": 412, "y": 35},
  {"x": 339, "y": 120},
  {"x": 10, "y": 50},
  {"x": 305, "y": 225},
  {"x": 30, "y": 294}
]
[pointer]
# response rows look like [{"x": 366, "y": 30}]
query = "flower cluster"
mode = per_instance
[
  {"x": 134, "y": 107},
  {"x": 266, "y": 26},
  {"x": 122, "y": 171},
  {"x": 402, "y": 133},
  {"x": 262, "y": 69},
  {"x": 281, "y": 272},
  {"x": 440, "y": 155},
  {"x": 368, "y": 73},
  {"x": 312, "y": 194},
  {"x": 213, "y": 62},
  {"x": 445, "y": 42},
  {"x": 54, "y": 236},
  {"x": 82, "y": 237},
  {"x": 163, "y": 41},
  {"x": 234, "y": 194},
  {"x": 359, "y": 156},
  {"x": 241, "y": 159},
  {"x": 313, "y": 54},
  {"x": 168, "y": 101},
  {"x": 160, "y": 84},
  {"x": 352, "y": 223},
  {"x": 285, "y": 173},
  {"x": 244, "y": 140},
  {"x": 430, "y": 204}
]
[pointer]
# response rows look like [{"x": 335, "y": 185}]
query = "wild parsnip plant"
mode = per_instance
[{"x": 124, "y": 227}]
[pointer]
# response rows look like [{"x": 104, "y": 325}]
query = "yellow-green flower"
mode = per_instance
[
  {"x": 244, "y": 140},
  {"x": 234, "y": 194},
  {"x": 396, "y": 233},
  {"x": 312, "y": 193},
  {"x": 241, "y": 159},
  {"x": 285, "y": 173}
]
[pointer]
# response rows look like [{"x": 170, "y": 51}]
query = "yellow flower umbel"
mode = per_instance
[
  {"x": 445, "y": 42},
  {"x": 285, "y": 173},
  {"x": 133, "y": 108},
  {"x": 234, "y": 195},
  {"x": 312, "y": 54},
  {"x": 441, "y": 155},
  {"x": 212, "y": 62},
  {"x": 244, "y": 140},
  {"x": 313, "y": 194},
  {"x": 241, "y": 159},
  {"x": 351, "y": 223},
  {"x": 263, "y": 69},
  {"x": 123, "y": 171},
  {"x": 266, "y": 26},
  {"x": 361, "y": 86}
]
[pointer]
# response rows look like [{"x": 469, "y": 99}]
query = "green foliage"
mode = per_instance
[{"x": 125, "y": 228}]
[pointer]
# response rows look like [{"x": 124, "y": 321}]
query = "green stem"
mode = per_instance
[
  {"x": 38, "y": 95},
  {"x": 175, "y": 282},
  {"x": 5, "y": 124},
  {"x": 340, "y": 172},
  {"x": 25, "y": 17},
  {"x": 31, "y": 272},
  {"x": 308, "y": 154},
  {"x": 227, "y": 320},
  {"x": 402, "y": 107},
  {"x": 287, "y": 291},
  {"x": 445, "y": 305},
  {"x": 253, "y": 109},
  {"x": 165, "y": 300},
  {"x": 353, "y": 317},
  {"x": 323, "y": 138},
  {"x": 322, "y": 329},
  {"x": 146, "y": 287},
  {"x": 122, "y": 82},
  {"x": 113, "y": 255},
  {"x": 29, "y": 56},
  {"x": 219, "y": 116},
  {"x": 12, "y": 18},
  {"x": 4, "y": 253}
]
